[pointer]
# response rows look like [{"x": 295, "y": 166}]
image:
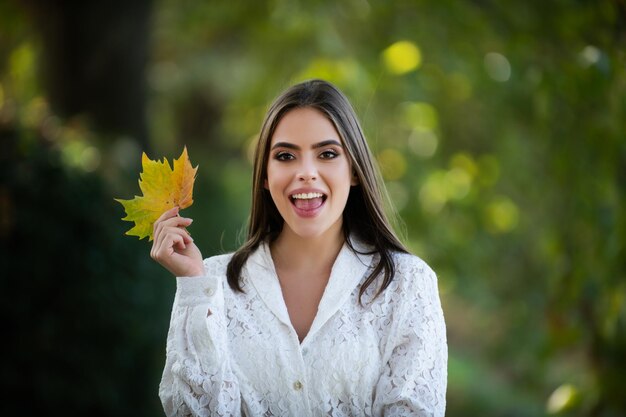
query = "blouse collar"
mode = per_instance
[{"x": 347, "y": 272}]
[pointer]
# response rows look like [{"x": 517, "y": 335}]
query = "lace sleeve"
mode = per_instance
[
  {"x": 415, "y": 376},
  {"x": 198, "y": 379}
]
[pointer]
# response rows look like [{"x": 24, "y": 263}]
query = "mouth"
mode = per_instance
[{"x": 307, "y": 201}]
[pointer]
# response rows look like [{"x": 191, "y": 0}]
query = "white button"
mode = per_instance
[
  {"x": 209, "y": 291},
  {"x": 297, "y": 385}
]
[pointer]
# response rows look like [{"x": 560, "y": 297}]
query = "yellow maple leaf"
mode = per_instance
[{"x": 163, "y": 188}]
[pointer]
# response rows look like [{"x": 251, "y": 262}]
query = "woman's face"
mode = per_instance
[{"x": 308, "y": 173}]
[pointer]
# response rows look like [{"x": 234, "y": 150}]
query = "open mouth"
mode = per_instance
[{"x": 307, "y": 201}]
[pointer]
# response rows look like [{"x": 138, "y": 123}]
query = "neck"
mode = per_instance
[{"x": 290, "y": 251}]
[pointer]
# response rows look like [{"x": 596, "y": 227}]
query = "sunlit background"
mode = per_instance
[{"x": 499, "y": 128}]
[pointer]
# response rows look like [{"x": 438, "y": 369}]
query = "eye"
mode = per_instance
[
  {"x": 283, "y": 156},
  {"x": 329, "y": 154}
]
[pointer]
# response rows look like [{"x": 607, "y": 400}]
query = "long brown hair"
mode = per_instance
[{"x": 364, "y": 216}]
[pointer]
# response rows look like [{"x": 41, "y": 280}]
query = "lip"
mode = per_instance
[{"x": 304, "y": 212}]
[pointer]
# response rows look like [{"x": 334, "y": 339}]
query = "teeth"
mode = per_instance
[{"x": 306, "y": 196}]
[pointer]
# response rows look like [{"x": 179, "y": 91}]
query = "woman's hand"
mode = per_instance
[{"x": 172, "y": 246}]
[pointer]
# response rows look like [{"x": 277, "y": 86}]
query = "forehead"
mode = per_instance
[{"x": 304, "y": 125}]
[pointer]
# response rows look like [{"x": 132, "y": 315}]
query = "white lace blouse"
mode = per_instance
[{"x": 234, "y": 354}]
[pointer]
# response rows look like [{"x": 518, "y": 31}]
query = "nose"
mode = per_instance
[{"x": 308, "y": 171}]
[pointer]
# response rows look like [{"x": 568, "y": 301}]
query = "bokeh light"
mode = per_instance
[
  {"x": 497, "y": 66},
  {"x": 402, "y": 57},
  {"x": 393, "y": 164}
]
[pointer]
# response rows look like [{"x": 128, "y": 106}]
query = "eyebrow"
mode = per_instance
[{"x": 314, "y": 146}]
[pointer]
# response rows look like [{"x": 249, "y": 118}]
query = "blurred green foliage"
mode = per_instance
[{"x": 499, "y": 128}]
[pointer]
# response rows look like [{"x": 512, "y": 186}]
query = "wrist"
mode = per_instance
[{"x": 194, "y": 272}]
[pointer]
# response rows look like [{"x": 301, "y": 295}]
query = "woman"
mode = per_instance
[{"x": 322, "y": 312}]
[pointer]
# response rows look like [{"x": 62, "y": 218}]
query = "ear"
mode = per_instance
[
  {"x": 265, "y": 184},
  {"x": 354, "y": 180}
]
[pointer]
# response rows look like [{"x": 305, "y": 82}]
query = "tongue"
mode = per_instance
[{"x": 309, "y": 203}]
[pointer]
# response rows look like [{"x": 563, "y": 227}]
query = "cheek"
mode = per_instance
[
  {"x": 342, "y": 176},
  {"x": 275, "y": 181}
]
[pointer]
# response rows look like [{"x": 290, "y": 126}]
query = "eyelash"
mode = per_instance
[
  {"x": 333, "y": 154},
  {"x": 283, "y": 156},
  {"x": 325, "y": 155}
]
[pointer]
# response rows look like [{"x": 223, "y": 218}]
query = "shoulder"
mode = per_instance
[
  {"x": 413, "y": 275},
  {"x": 216, "y": 265},
  {"x": 408, "y": 262}
]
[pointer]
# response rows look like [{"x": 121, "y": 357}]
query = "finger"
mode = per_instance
[
  {"x": 174, "y": 238},
  {"x": 157, "y": 239},
  {"x": 166, "y": 248},
  {"x": 173, "y": 212},
  {"x": 159, "y": 233},
  {"x": 180, "y": 232},
  {"x": 156, "y": 243},
  {"x": 171, "y": 222}
]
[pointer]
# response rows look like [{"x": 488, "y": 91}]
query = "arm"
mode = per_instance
[
  {"x": 198, "y": 379},
  {"x": 414, "y": 379}
]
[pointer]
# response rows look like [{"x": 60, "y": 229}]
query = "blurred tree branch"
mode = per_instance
[{"x": 94, "y": 57}]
